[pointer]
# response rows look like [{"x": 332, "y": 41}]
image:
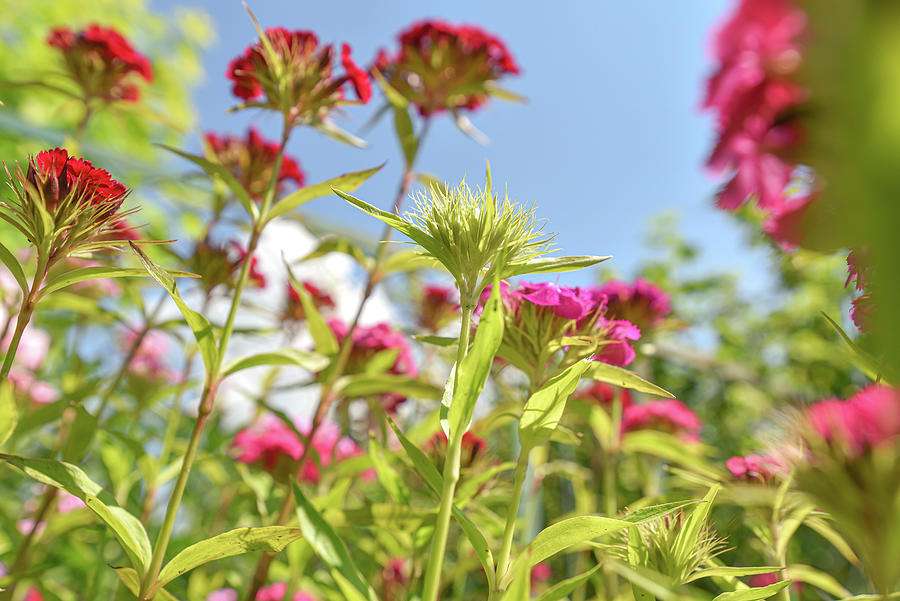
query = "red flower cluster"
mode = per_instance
[
  {"x": 445, "y": 67},
  {"x": 755, "y": 468},
  {"x": 99, "y": 59},
  {"x": 274, "y": 445},
  {"x": 438, "y": 307},
  {"x": 57, "y": 176},
  {"x": 604, "y": 394},
  {"x": 473, "y": 447},
  {"x": 251, "y": 160},
  {"x": 869, "y": 419},
  {"x": 301, "y": 84},
  {"x": 759, "y": 53},
  {"x": 667, "y": 415},
  {"x": 218, "y": 264},
  {"x": 369, "y": 341},
  {"x": 294, "y": 309}
]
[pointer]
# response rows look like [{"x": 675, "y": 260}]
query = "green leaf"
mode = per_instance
[
  {"x": 611, "y": 374},
  {"x": 347, "y": 181},
  {"x": 563, "y": 589},
  {"x": 520, "y": 582},
  {"x": 545, "y": 407},
  {"x": 336, "y": 133},
  {"x": 395, "y": 98},
  {"x": 551, "y": 265},
  {"x": 820, "y": 580},
  {"x": 70, "y": 478},
  {"x": 690, "y": 533},
  {"x": 387, "y": 476},
  {"x": 498, "y": 92},
  {"x": 868, "y": 364},
  {"x": 405, "y": 134},
  {"x": 9, "y": 414},
  {"x": 14, "y": 267},
  {"x": 754, "y": 594},
  {"x": 733, "y": 572},
  {"x": 437, "y": 340},
  {"x": 75, "y": 276},
  {"x": 80, "y": 436},
  {"x": 323, "y": 338},
  {"x": 646, "y": 584},
  {"x": 824, "y": 529},
  {"x": 426, "y": 469},
  {"x": 286, "y": 356},
  {"x": 473, "y": 371},
  {"x": 409, "y": 260},
  {"x": 217, "y": 171},
  {"x": 199, "y": 325},
  {"x": 328, "y": 546},
  {"x": 335, "y": 244},
  {"x": 581, "y": 529},
  {"x": 638, "y": 556},
  {"x": 362, "y": 385},
  {"x": 398, "y": 223},
  {"x": 132, "y": 582},
  {"x": 228, "y": 544}
]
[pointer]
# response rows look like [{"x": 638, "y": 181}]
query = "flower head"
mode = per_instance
[
  {"x": 219, "y": 264},
  {"x": 643, "y": 304},
  {"x": 150, "y": 359},
  {"x": 440, "y": 66},
  {"x": 63, "y": 202},
  {"x": 291, "y": 72},
  {"x": 276, "y": 447},
  {"x": 667, "y": 415},
  {"x": 604, "y": 394},
  {"x": 294, "y": 308},
  {"x": 871, "y": 418},
  {"x": 277, "y": 591},
  {"x": 100, "y": 60},
  {"x": 438, "y": 306},
  {"x": 251, "y": 160},
  {"x": 755, "y": 468},
  {"x": 369, "y": 341},
  {"x": 473, "y": 447}
]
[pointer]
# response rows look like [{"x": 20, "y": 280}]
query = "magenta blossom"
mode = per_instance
[
  {"x": 277, "y": 591},
  {"x": 668, "y": 415},
  {"x": 871, "y": 418},
  {"x": 223, "y": 594},
  {"x": 755, "y": 468},
  {"x": 150, "y": 361},
  {"x": 618, "y": 349},
  {"x": 642, "y": 303}
]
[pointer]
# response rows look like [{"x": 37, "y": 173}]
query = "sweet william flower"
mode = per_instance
[
  {"x": 440, "y": 66},
  {"x": 296, "y": 79},
  {"x": 869, "y": 419},
  {"x": 604, "y": 394},
  {"x": 33, "y": 594},
  {"x": 294, "y": 308},
  {"x": 438, "y": 307},
  {"x": 218, "y": 264},
  {"x": 755, "y": 468},
  {"x": 251, "y": 160},
  {"x": 618, "y": 349},
  {"x": 642, "y": 303},
  {"x": 101, "y": 62},
  {"x": 277, "y": 591},
  {"x": 473, "y": 447},
  {"x": 667, "y": 415}
]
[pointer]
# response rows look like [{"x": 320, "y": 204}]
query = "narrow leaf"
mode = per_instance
[
  {"x": 347, "y": 181},
  {"x": 9, "y": 414},
  {"x": 551, "y": 265},
  {"x": 132, "y": 582},
  {"x": 14, "y": 267},
  {"x": 228, "y": 544},
  {"x": 563, "y": 589},
  {"x": 690, "y": 534},
  {"x": 286, "y": 356},
  {"x": 729, "y": 571},
  {"x": 754, "y": 594},
  {"x": 818, "y": 579},
  {"x": 405, "y": 134},
  {"x": 612, "y": 374},
  {"x": 545, "y": 407},
  {"x": 323, "y": 338},
  {"x": 75, "y": 276},
  {"x": 362, "y": 385},
  {"x": 199, "y": 325}
]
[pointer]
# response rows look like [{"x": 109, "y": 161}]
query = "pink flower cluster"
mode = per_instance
[
  {"x": 150, "y": 361},
  {"x": 869, "y": 419},
  {"x": 369, "y": 341},
  {"x": 642, "y": 303},
  {"x": 759, "y": 52},
  {"x": 755, "y": 468},
  {"x": 273, "y": 444},
  {"x": 273, "y": 592},
  {"x": 667, "y": 415}
]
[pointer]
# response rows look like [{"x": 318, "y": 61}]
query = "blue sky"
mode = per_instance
[{"x": 611, "y": 134}]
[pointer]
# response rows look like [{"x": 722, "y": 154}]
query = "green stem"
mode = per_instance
[
  {"x": 29, "y": 302},
  {"x": 512, "y": 514},
  {"x": 451, "y": 470}
]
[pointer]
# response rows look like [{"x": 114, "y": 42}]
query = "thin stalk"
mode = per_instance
[
  {"x": 212, "y": 384},
  {"x": 327, "y": 396},
  {"x": 512, "y": 513},
  {"x": 451, "y": 472},
  {"x": 25, "y": 312}
]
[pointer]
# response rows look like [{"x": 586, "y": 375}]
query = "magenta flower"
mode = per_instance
[
  {"x": 566, "y": 302},
  {"x": 667, "y": 415},
  {"x": 643, "y": 304},
  {"x": 755, "y": 468},
  {"x": 869, "y": 419},
  {"x": 439, "y": 306},
  {"x": 786, "y": 224},
  {"x": 150, "y": 361},
  {"x": 368, "y": 341},
  {"x": 618, "y": 349},
  {"x": 277, "y": 591},
  {"x": 540, "y": 574},
  {"x": 223, "y": 594}
]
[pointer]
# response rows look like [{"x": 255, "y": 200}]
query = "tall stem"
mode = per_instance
[
  {"x": 451, "y": 471},
  {"x": 512, "y": 513},
  {"x": 212, "y": 384},
  {"x": 29, "y": 301}
]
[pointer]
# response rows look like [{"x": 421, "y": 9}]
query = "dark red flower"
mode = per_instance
[
  {"x": 472, "y": 447},
  {"x": 251, "y": 160},
  {"x": 256, "y": 277},
  {"x": 99, "y": 59},
  {"x": 358, "y": 78},
  {"x": 306, "y": 89},
  {"x": 445, "y": 67},
  {"x": 438, "y": 307},
  {"x": 218, "y": 264},
  {"x": 294, "y": 310},
  {"x": 60, "y": 177}
]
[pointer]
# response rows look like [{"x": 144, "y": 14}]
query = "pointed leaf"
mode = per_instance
[
  {"x": 405, "y": 134},
  {"x": 729, "y": 571},
  {"x": 132, "y": 582},
  {"x": 228, "y": 544},
  {"x": 9, "y": 414},
  {"x": 287, "y": 356},
  {"x": 215, "y": 170},
  {"x": 754, "y": 594},
  {"x": 690, "y": 533},
  {"x": 520, "y": 582},
  {"x": 334, "y": 244},
  {"x": 563, "y": 589},
  {"x": 328, "y": 546},
  {"x": 70, "y": 478},
  {"x": 14, "y": 267},
  {"x": 362, "y": 385},
  {"x": 612, "y": 374},
  {"x": 75, "y": 276},
  {"x": 551, "y": 265},
  {"x": 336, "y": 133},
  {"x": 545, "y": 407},
  {"x": 818, "y": 579},
  {"x": 347, "y": 181},
  {"x": 503, "y": 94},
  {"x": 198, "y": 324},
  {"x": 323, "y": 337}
]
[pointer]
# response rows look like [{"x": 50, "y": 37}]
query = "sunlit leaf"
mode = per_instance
[
  {"x": 9, "y": 414},
  {"x": 347, "y": 181},
  {"x": 550, "y": 265},
  {"x": 309, "y": 360},
  {"x": 14, "y": 267},
  {"x": 618, "y": 376},
  {"x": 545, "y": 407},
  {"x": 754, "y": 594}
]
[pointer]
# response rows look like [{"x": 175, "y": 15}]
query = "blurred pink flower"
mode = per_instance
[
  {"x": 755, "y": 468},
  {"x": 151, "y": 359},
  {"x": 33, "y": 594},
  {"x": 540, "y": 573},
  {"x": 604, "y": 394},
  {"x": 223, "y": 594},
  {"x": 67, "y": 503},
  {"x": 276, "y": 592},
  {"x": 867, "y": 420},
  {"x": 438, "y": 307},
  {"x": 642, "y": 303},
  {"x": 667, "y": 415},
  {"x": 564, "y": 301}
]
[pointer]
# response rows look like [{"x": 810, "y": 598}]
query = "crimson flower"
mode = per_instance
[
  {"x": 294, "y": 310},
  {"x": 440, "y": 66},
  {"x": 297, "y": 79},
  {"x": 218, "y": 264},
  {"x": 100, "y": 60},
  {"x": 473, "y": 447},
  {"x": 667, "y": 415},
  {"x": 250, "y": 160},
  {"x": 438, "y": 307}
]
